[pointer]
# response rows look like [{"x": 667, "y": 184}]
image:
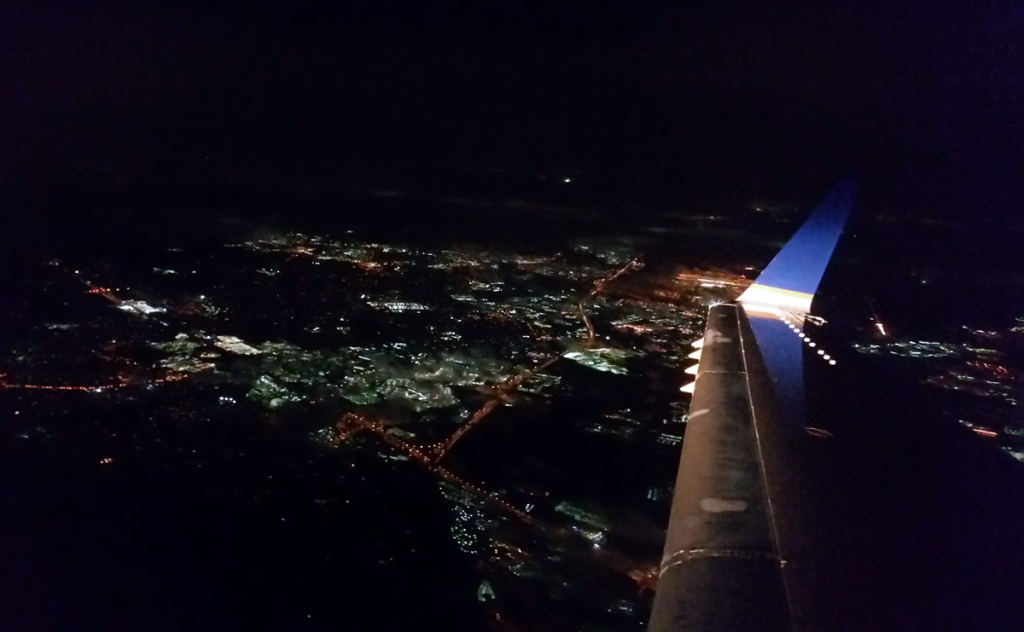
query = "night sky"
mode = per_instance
[{"x": 919, "y": 100}]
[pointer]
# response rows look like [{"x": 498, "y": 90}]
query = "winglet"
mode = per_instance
[{"x": 791, "y": 279}]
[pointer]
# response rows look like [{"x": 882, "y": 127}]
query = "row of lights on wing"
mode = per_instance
[
  {"x": 688, "y": 388},
  {"x": 807, "y": 339}
]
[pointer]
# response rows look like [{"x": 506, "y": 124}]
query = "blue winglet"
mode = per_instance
[
  {"x": 794, "y": 274},
  {"x": 787, "y": 286}
]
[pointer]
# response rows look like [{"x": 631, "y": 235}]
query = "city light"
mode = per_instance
[{"x": 386, "y": 358}]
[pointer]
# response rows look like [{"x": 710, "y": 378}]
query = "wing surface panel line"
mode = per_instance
[{"x": 764, "y": 473}]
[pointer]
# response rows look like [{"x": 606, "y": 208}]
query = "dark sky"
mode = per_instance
[{"x": 922, "y": 100}]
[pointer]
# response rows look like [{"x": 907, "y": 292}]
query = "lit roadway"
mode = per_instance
[
  {"x": 380, "y": 430},
  {"x": 591, "y": 334},
  {"x": 600, "y": 283},
  {"x": 644, "y": 577},
  {"x": 501, "y": 393},
  {"x": 95, "y": 387},
  {"x": 599, "y": 286}
]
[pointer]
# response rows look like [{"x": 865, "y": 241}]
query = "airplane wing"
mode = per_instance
[{"x": 732, "y": 548}]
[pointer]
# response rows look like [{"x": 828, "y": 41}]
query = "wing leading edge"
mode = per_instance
[{"x": 723, "y": 563}]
